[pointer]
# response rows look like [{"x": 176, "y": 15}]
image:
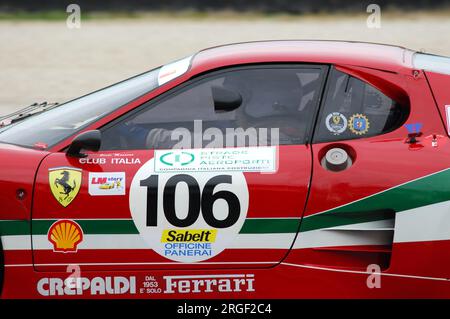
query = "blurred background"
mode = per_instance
[{"x": 48, "y": 54}]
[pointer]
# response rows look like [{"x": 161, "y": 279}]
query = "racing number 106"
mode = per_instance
[{"x": 198, "y": 200}]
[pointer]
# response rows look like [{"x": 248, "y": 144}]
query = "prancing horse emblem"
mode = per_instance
[{"x": 64, "y": 183}]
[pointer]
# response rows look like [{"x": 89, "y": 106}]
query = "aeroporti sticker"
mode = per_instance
[
  {"x": 188, "y": 216},
  {"x": 241, "y": 159},
  {"x": 336, "y": 123}
]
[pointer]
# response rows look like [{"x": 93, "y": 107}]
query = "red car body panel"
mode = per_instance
[
  {"x": 309, "y": 256},
  {"x": 18, "y": 168},
  {"x": 439, "y": 84}
]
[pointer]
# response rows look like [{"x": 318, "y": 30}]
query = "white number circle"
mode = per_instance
[{"x": 198, "y": 241}]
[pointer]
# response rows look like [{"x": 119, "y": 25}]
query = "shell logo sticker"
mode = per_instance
[
  {"x": 65, "y": 235},
  {"x": 64, "y": 183}
]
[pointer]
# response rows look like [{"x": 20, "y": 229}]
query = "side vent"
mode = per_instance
[{"x": 359, "y": 244}]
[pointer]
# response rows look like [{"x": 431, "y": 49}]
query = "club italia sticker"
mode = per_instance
[{"x": 188, "y": 216}]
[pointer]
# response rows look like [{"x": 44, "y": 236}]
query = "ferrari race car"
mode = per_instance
[{"x": 276, "y": 169}]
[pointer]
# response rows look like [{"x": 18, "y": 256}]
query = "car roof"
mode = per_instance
[{"x": 372, "y": 55}]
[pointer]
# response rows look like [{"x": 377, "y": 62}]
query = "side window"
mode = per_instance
[
  {"x": 354, "y": 109},
  {"x": 248, "y": 106}
]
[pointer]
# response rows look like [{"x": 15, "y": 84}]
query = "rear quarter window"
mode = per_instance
[{"x": 354, "y": 109}]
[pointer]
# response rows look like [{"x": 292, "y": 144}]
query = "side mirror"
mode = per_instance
[
  {"x": 90, "y": 140},
  {"x": 225, "y": 100}
]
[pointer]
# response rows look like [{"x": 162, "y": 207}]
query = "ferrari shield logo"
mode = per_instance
[
  {"x": 64, "y": 183},
  {"x": 336, "y": 119}
]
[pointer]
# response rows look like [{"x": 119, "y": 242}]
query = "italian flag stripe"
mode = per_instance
[
  {"x": 126, "y": 226},
  {"x": 427, "y": 190}
]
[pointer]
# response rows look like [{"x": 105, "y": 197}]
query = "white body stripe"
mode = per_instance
[
  {"x": 424, "y": 223},
  {"x": 370, "y": 233},
  {"x": 427, "y": 223},
  {"x": 16, "y": 242},
  {"x": 244, "y": 241}
]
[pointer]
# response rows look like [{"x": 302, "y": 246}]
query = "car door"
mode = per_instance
[
  {"x": 380, "y": 177},
  {"x": 213, "y": 174}
]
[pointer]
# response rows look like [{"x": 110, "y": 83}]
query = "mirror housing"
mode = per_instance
[
  {"x": 225, "y": 100},
  {"x": 89, "y": 140}
]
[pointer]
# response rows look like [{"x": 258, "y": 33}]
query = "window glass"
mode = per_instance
[
  {"x": 275, "y": 103},
  {"x": 354, "y": 109}
]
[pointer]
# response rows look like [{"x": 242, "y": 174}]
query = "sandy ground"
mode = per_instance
[{"x": 46, "y": 61}]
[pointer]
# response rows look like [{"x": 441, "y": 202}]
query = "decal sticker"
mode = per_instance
[
  {"x": 125, "y": 161},
  {"x": 113, "y": 159},
  {"x": 65, "y": 235},
  {"x": 447, "y": 115},
  {"x": 150, "y": 285},
  {"x": 173, "y": 70},
  {"x": 104, "y": 184},
  {"x": 435, "y": 140},
  {"x": 359, "y": 124},
  {"x": 242, "y": 159},
  {"x": 92, "y": 161},
  {"x": 40, "y": 145},
  {"x": 79, "y": 286},
  {"x": 64, "y": 183},
  {"x": 209, "y": 283},
  {"x": 145, "y": 285},
  {"x": 188, "y": 217},
  {"x": 414, "y": 128},
  {"x": 336, "y": 123}
]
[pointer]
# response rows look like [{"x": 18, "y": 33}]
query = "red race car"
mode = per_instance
[{"x": 278, "y": 169}]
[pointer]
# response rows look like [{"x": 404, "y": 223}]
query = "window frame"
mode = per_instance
[{"x": 208, "y": 75}]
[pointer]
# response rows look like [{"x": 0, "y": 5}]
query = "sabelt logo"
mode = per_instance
[
  {"x": 210, "y": 283},
  {"x": 189, "y": 235},
  {"x": 81, "y": 286}
]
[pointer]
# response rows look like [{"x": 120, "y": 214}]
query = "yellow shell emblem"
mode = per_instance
[
  {"x": 65, "y": 235},
  {"x": 64, "y": 183}
]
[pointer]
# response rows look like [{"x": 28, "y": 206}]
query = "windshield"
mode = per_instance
[{"x": 50, "y": 127}]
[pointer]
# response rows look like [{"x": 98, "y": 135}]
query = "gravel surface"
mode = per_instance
[{"x": 46, "y": 61}]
